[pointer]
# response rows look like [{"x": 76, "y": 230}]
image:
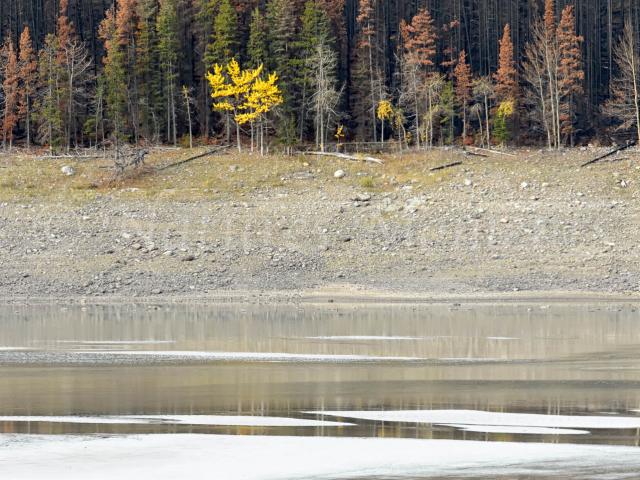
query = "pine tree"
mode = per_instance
[
  {"x": 128, "y": 21},
  {"x": 169, "y": 45},
  {"x": 11, "y": 93},
  {"x": 224, "y": 39},
  {"x": 448, "y": 112},
  {"x": 51, "y": 122},
  {"x": 115, "y": 80},
  {"x": 315, "y": 54},
  {"x": 462, "y": 75},
  {"x": 257, "y": 46},
  {"x": 367, "y": 61},
  {"x": 506, "y": 87},
  {"x": 148, "y": 70},
  {"x": 281, "y": 39},
  {"x": 28, "y": 76}
]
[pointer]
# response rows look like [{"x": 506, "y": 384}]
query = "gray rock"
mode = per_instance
[{"x": 68, "y": 170}]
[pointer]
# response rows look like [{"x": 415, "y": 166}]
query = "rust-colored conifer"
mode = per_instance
[
  {"x": 10, "y": 84},
  {"x": 27, "y": 72},
  {"x": 462, "y": 87},
  {"x": 506, "y": 87}
]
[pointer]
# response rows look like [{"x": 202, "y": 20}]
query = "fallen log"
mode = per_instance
[
  {"x": 186, "y": 160},
  {"x": 629, "y": 145},
  {"x": 494, "y": 151},
  {"x": 347, "y": 157},
  {"x": 445, "y": 166},
  {"x": 477, "y": 154}
]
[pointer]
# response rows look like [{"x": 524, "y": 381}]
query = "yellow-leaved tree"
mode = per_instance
[
  {"x": 260, "y": 99},
  {"x": 230, "y": 91},
  {"x": 385, "y": 112}
]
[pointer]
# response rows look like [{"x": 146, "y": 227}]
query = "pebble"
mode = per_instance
[{"x": 339, "y": 174}]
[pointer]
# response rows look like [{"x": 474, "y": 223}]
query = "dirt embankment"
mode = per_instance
[{"x": 530, "y": 223}]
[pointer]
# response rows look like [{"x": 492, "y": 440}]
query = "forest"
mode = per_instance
[{"x": 98, "y": 74}]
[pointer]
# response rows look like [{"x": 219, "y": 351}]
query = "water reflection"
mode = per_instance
[{"x": 566, "y": 359}]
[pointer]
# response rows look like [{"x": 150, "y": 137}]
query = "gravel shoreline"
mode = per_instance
[{"x": 491, "y": 228}]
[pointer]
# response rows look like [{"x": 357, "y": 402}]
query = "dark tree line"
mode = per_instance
[{"x": 417, "y": 72}]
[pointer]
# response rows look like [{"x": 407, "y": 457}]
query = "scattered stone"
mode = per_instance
[
  {"x": 68, "y": 170},
  {"x": 188, "y": 258},
  {"x": 136, "y": 246},
  {"x": 340, "y": 174},
  {"x": 468, "y": 182},
  {"x": 504, "y": 220},
  {"x": 233, "y": 168}
]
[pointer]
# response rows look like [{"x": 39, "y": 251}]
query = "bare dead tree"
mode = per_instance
[{"x": 625, "y": 87}]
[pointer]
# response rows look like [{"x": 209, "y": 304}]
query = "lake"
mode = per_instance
[{"x": 331, "y": 390}]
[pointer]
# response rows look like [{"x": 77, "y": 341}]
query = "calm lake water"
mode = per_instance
[{"x": 184, "y": 369}]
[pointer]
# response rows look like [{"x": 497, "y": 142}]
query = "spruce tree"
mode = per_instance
[
  {"x": 51, "y": 117},
  {"x": 10, "y": 87},
  {"x": 148, "y": 70},
  {"x": 224, "y": 39},
  {"x": 28, "y": 70},
  {"x": 115, "y": 81},
  {"x": 315, "y": 36},
  {"x": 169, "y": 46},
  {"x": 282, "y": 53},
  {"x": 257, "y": 46}
]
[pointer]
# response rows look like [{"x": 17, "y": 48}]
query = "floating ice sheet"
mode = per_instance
[
  {"x": 229, "y": 457},
  {"x": 476, "y": 417},
  {"x": 223, "y": 420},
  {"x": 519, "y": 430},
  {"x": 257, "y": 356}
]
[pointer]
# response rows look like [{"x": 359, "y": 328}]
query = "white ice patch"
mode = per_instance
[
  {"x": 222, "y": 420},
  {"x": 523, "y": 430},
  {"x": 258, "y": 356},
  {"x": 366, "y": 337},
  {"x": 476, "y": 417},
  {"x": 236, "y": 457},
  {"x": 116, "y": 342}
]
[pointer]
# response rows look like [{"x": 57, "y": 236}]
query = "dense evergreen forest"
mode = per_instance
[{"x": 92, "y": 73}]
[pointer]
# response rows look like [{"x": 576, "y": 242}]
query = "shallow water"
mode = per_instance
[{"x": 183, "y": 368}]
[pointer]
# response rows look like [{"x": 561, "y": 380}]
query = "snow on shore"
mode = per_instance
[{"x": 192, "y": 456}]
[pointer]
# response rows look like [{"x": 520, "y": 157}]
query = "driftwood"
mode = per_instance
[
  {"x": 445, "y": 166},
  {"x": 494, "y": 151},
  {"x": 180, "y": 162},
  {"x": 477, "y": 154},
  {"x": 347, "y": 157},
  {"x": 609, "y": 154},
  {"x": 70, "y": 157}
]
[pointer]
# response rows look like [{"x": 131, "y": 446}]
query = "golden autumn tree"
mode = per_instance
[
  {"x": 230, "y": 89},
  {"x": 263, "y": 96},
  {"x": 462, "y": 88},
  {"x": 385, "y": 112},
  {"x": 28, "y": 75}
]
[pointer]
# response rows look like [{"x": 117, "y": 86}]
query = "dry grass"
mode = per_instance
[{"x": 31, "y": 177}]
